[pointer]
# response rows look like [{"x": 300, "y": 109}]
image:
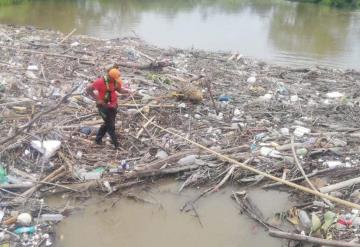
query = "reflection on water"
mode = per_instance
[
  {"x": 137, "y": 224},
  {"x": 276, "y": 30}
]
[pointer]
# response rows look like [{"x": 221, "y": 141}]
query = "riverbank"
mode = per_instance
[
  {"x": 336, "y": 3},
  {"x": 240, "y": 112}
]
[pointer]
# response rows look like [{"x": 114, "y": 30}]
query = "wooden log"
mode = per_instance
[
  {"x": 50, "y": 178},
  {"x": 340, "y": 185},
  {"x": 159, "y": 172},
  {"x": 319, "y": 172},
  {"x": 159, "y": 163},
  {"x": 155, "y": 65},
  {"x": 16, "y": 186},
  {"x": 308, "y": 239}
]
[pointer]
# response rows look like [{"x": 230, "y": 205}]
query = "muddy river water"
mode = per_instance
[
  {"x": 279, "y": 31},
  {"x": 128, "y": 223}
]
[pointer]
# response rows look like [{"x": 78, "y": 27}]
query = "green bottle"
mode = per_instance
[{"x": 3, "y": 177}]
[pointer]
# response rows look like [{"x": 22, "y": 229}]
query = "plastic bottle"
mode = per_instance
[
  {"x": 304, "y": 219},
  {"x": 3, "y": 177},
  {"x": 51, "y": 217},
  {"x": 345, "y": 220},
  {"x": 27, "y": 229}
]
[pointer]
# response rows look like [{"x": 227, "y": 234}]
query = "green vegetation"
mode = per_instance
[
  {"x": 337, "y": 3},
  {"x": 5, "y": 2}
]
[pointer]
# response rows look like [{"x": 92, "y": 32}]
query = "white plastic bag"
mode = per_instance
[{"x": 47, "y": 148}]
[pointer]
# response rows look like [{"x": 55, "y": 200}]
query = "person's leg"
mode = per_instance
[
  {"x": 103, "y": 128},
  {"x": 111, "y": 127}
]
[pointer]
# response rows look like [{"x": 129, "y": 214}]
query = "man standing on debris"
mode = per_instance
[{"x": 103, "y": 90}]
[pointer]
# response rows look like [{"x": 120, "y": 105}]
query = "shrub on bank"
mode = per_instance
[{"x": 337, "y": 3}]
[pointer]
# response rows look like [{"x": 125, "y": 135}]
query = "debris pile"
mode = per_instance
[{"x": 286, "y": 122}]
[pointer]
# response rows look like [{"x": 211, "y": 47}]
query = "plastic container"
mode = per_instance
[{"x": 27, "y": 229}]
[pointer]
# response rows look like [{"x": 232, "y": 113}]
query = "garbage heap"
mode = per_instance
[{"x": 240, "y": 107}]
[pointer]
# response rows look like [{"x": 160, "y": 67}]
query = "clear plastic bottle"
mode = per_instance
[
  {"x": 304, "y": 219},
  {"x": 51, "y": 217}
]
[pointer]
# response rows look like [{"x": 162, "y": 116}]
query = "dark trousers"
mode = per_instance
[{"x": 109, "y": 116}]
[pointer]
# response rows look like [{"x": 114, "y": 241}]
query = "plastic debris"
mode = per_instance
[
  {"x": 188, "y": 160},
  {"x": 51, "y": 217},
  {"x": 334, "y": 95},
  {"x": 305, "y": 219},
  {"x": 224, "y": 98},
  {"x": 251, "y": 79},
  {"x": 333, "y": 164},
  {"x": 266, "y": 151},
  {"x": 301, "y": 131},
  {"x": 47, "y": 148},
  {"x": 24, "y": 219},
  {"x": 86, "y": 130},
  {"x": 25, "y": 229}
]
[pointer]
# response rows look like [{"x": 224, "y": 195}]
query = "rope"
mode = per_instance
[{"x": 252, "y": 169}]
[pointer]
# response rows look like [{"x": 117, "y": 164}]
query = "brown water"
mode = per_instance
[
  {"x": 136, "y": 224},
  {"x": 275, "y": 30}
]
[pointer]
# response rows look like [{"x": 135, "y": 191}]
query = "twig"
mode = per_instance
[
  {"x": 144, "y": 126},
  {"x": 67, "y": 36},
  {"x": 207, "y": 82},
  {"x": 197, "y": 215},
  {"x": 303, "y": 172},
  {"x": 11, "y": 233}
]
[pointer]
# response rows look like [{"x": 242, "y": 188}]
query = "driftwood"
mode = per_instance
[
  {"x": 159, "y": 163},
  {"x": 158, "y": 172},
  {"x": 314, "y": 173},
  {"x": 340, "y": 185},
  {"x": 312, "y": 240},
  {"x": 154, "y": 65},
  {"x": 61, "y": 171},
  {"x": 119, "y": 181},
  {"x": 85, "y": 61},
  {"x": 37, "y": 117}
]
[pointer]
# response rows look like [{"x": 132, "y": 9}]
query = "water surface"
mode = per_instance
[
  {"x": 274, "y": 30},
  {"x": 137, "y": 224}
]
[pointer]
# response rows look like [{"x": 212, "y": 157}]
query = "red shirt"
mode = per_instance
[{"x": 100, "y": 86}]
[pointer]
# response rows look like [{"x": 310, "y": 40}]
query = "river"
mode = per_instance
[
  {"x": 278, "y": 31},
  {"x": 159, "y": 222}
]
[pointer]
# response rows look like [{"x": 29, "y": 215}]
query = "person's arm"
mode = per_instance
[
  {"x": 90, "y": 91},
  {"x": 93, "y": 93},
  {"x": 122, "y": 90}
]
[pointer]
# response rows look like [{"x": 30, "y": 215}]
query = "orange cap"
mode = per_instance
[{"x": 115, "y": 74}]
